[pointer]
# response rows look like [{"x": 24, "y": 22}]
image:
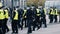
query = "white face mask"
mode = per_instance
[
  {"x": 32, "y": 7},
  {"x": 16, "y": 8},
  {"x": 27, "y": 7}
]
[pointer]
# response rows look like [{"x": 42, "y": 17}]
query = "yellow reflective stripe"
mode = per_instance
[
  {"x": 25, "y": 17},
  {"x": 38, "y": 13},
  {"x": 56, "y": 11},
  {"x": 37, "y": 10},
  {"x": 6, "y": 14},
  {"x": 52, "y": 11},
  {"x": 44, "y": 10},
  {"x": 16, "y": 15},
  {"x": 24, "y": 12},
  {"x": 2, "y": 14}
]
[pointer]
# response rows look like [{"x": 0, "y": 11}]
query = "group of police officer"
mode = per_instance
[
  {"x": 25, "y": 18},
  {"x": 53, "y": 15}
]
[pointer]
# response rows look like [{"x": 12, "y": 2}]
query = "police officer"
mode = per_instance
[
  {"x": 37, "y": 19},
  {"x": 15, "y": 21},
  {"x": 19, "y": 18},
  {"x": 6, "y": 18},
  {"x": 29, "y": 20},
  {"x": 34, "y": 13},
  {"x": 2, "y": 17},
  {"x": 55, "y": 15},
  {"x": 51, "y": 15},
  {"x": 20, "y": 13},
  {"x": 24, "y": 17},
  {"x": 43, "y": 18}
]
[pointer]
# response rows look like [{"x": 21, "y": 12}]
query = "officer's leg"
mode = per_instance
[
  {"x": 41, "y": 22},
  {"x": 16, "y": 28},
  {"x": 6, "y": 25},
  {"x": 25, "y": 22},
  {"x": 34, "y": 25},
  {"x": 29, "y": 27},
  {"x": 38, "y": 23},
  {"x": 19, "y": 25},
  {"x": 3, "y": 27},
  {"x": 13, "y": 28},
  {"x": 55, "y": 18},
  {"x": 44, "y": 21},
  {"x": 22, "y": 22},
  {"x": 1, "y": 32},
  {"x": 51, "y": 19}
]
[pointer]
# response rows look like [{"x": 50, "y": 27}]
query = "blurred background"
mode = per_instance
[{"x": 25, "y": 3}]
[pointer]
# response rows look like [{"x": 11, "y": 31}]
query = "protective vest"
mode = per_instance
[
  {"x": 2, "y": 14},
  {"x": 6, "y": 14},
  {"x": 55, "y": 12},
  {"x": 45, "y": 11},
  {"x": 16, "y": 15},
  {"x": 51, "y": 11},
  {"x": 24, "y": 14},
  {"x": 38, "y": 12}
]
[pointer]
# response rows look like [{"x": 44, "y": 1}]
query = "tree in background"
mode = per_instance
[{"x": 35, "y": 2}]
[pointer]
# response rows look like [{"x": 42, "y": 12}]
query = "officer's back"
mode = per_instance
[
  {"x": 29, "y": 14},
  {"x": 42, "y": 14}
]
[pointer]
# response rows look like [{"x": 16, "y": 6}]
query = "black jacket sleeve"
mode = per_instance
[{"x": 14, "y": 14}]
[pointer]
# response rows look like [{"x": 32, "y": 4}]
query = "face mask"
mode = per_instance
[
  {"x": 27, "y": 7},
  {"x": 16, "y": 8}
]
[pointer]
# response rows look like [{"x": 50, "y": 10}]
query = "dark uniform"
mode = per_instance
[
  {"x": 29, "y": 20},
  {"x": 37, "y": 19},
  {"x": 55, "y": 15},
  {"x": 34, "y": 13},
  {"x": 43, "y": 18},
  {"x": 15, "y": 22},
  {"x": 24, "y": 17},
  {"x": 2, "y": 17},
  {"x": 20, "y": 12},
  {"x": 6, "y": 18},
  {"x": 51, "y": 15}
]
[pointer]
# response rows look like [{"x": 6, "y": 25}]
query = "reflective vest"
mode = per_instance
[
  {"x": 45, "y": 11},
  {"x": 16, "y": 15},
  {"x": 55, "y": 12},
  {"x": 6, "y": 14},
  {"x": 24, "y": 14},
  {"x": 2, "y": 14},
  {"x": 38, "y": 12},
  {"x": 51, "y": 11}
]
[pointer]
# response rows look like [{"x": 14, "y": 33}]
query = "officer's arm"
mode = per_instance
[
  {"x": 25, "y": 14},
  {"x": 8, "y": 13},
  {"x": 14, "y": 14},
  {"x": 49, "y": 12},
  {"x": 4, "y": 12}
]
